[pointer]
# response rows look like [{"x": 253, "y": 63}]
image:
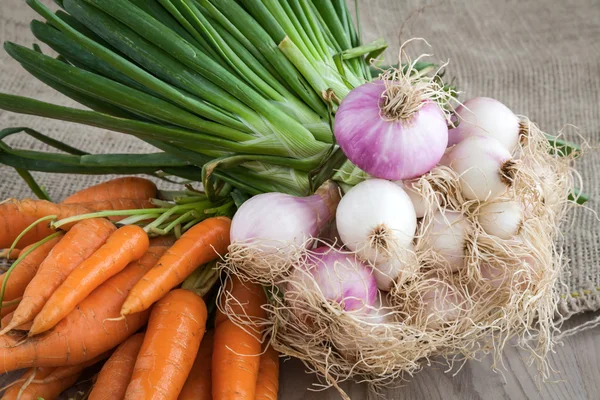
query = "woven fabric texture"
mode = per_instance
[{"x": 540, "y": 57}]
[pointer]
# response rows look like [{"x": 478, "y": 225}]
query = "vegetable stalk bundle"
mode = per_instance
[{"x": 231, "y": 92}]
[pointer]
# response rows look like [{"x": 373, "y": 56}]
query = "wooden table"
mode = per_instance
[{"x": 577, "y": 363}]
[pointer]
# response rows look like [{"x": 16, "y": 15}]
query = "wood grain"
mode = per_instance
[{"x": 577, "y": 363}]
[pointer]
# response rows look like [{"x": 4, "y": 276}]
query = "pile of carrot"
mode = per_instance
[{"x": 96, "y": 292}]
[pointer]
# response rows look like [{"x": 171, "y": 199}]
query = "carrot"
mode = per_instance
[
  {"x": 198, "y": 385},
  {"x": 123, "y": 246},
  {"x": 35, "y": 391},
  {"x": 167, "y": 240},
  {"x": 246, "y": 299},
  {"x": 202, "y": 243},
  {"x": 130, "y": 187},
  {"x": 267, "y": 383},
  {"x": 89, "y": 330},
  {"x": 172, "y": 340},
  {"x": 24, "y": 272},
  {"x": 8, "y": 317},
  {"x": 13, "y": 222},
  {"x": 236, "y": 351},
  {"x": 115, "y": 375},
  {"x": 14, "y": 254},
  {"x": 60, "y": 373},
  {"x": 6, "y": 310},
  {"x": 16, "y": 215},
  {"x": 76, "y": 246}
]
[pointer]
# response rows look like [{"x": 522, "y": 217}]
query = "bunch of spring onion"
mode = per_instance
[
  {"x": 454, "y": 259},
  {"x": 236, "y": 92}
]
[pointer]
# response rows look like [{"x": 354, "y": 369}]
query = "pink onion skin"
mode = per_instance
[
  {"x": 341, "y": 277},
  {"x": 384, "y": 149},
  {"x": 275, "y": 219},
  {"x": 488, "y": 117}
]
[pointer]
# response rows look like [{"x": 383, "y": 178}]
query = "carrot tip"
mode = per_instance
[{"x": 7, "y": 329}]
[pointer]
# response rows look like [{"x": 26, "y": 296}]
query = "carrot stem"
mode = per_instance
[
  {"x": 103, "y": 214},
  {"x": 11, "y": 302},
  {"x": 161, "y": 203},
  {"x": 137, "y": 218},
  {"x": 30, "y": 227},
  {"x": 21, "y": 257},
  {"x": 175, "y": 209},
  {"x": 190, "y": 224},
  {"x": 202, "y": 279},
  {"x": 178, "y": 221}
]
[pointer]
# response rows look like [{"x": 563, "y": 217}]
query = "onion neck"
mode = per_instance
[
  {"x": 400, "y": 100},
  {"x": 324, "y": 202}
]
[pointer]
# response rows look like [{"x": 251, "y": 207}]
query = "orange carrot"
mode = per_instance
[
  {"x": 130, "y": 187},
  {"x": 8, "y": 309},
  {"x": 14, "y": 254},
  {"x": 267, "y": 383},
  {"x": 24, "y": 272},
  {"x": 115, "y": 375},
  {"x": 236, "y": 351},
  {"x": 175, "y": 330},
  {"x": 8, "y": 317},
  {"x": 202, "y": 243},
  {"x": 35, "y": 391},
  {"x": 167, "y": 240},
  {"x": 16, "y": 215},
  {"x": 76, "y": 246},
  {"x": 198, "y": 385},
  {"x": 60, "y": 373},
  {"x": 123, "y": 246},
  {"x": 13, "y": 222},
  {"x": 88, "y": 331},
  {"x": 246, "y": 299}
]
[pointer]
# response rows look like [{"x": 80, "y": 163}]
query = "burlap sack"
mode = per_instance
[{"x": 540, "y": 57}]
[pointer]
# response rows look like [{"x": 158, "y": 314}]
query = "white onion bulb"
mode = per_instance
[
  {"x": 376, "y": 219},
  {"x": 487, "y": 117},
  {"x": 381, "y": 313},
  {"x": 442, "y": 304},
  {"x": 447, "y": 235},
  {"x": 503, "y": 218},
  {"x": 495, "y": 276},
  {"x": 277, "y": 223},
  {"x": 485, "y": 167},
  {"x": 419, "y": 202},
  {"x": 397, "y": 269}
]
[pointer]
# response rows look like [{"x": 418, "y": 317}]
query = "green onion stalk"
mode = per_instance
[{"x": 231, "y": 92}]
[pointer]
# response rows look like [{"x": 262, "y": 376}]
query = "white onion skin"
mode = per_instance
[
  {"x": 442, "y": 304},
  {"x": 387, "y": 149},
  {"x": 367, "y": 207},
  {"x": 418, "y": 201},
  {"x": 502, "y": 219},
  {"x": 382, "y": 312},
  {"x": 487, "y": 117},
  {"x": 277, "y": 222},
  {"x": 479, "y": 161},
  {"x": 396, "y": 269},
  {"x": 494, "y": 276},
  {"x": 447, "y": 235}
]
